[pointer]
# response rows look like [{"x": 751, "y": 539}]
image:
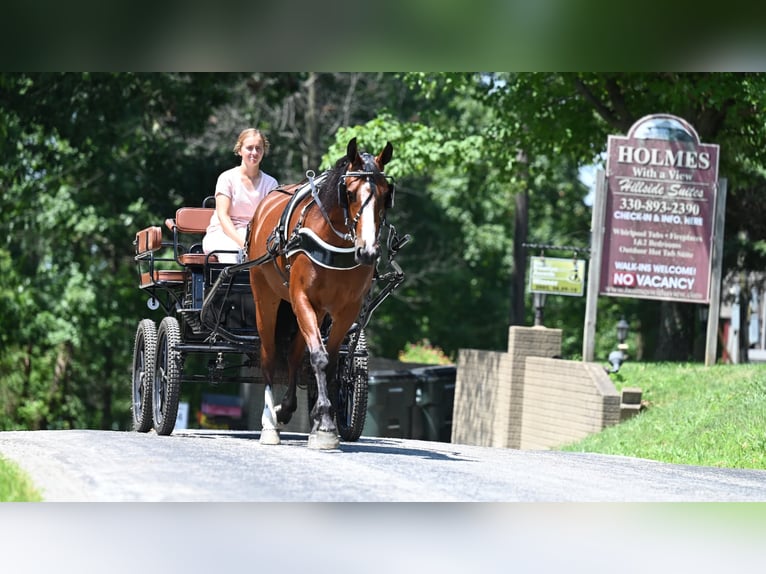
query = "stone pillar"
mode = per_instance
[
  {"x": 525, "y": 342},
  {"x": 489, "y": 388}
]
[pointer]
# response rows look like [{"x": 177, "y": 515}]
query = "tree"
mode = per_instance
[
  {"x": 88, "y": 158},
  {"x": 569, "y": 116},
  {"x": 456, "y": 199}
]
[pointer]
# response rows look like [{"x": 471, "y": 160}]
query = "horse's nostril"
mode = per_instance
[{"x": 366, "y": 256}]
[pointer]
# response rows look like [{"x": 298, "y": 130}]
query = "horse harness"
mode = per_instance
[{"x": 303, "y": 239}]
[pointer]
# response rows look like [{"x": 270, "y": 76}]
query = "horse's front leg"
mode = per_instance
[{"x": 324, "y": 433}]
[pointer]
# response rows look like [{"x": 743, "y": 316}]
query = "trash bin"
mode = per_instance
[
  {"x": 390, "y": 404},
  {"x": 435, "y": 396}
]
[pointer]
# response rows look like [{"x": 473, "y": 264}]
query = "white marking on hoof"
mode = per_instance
[
  {"x": 323, "y": 440},
  {"x": 270, "y": 436}
]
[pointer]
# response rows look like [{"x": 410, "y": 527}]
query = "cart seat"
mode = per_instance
[
  {"x": 163, "y": 277},
  {"x": 148, "y": 239},
  {"x": 196, "y": 259},
  {"x": 190, "y": 220}
]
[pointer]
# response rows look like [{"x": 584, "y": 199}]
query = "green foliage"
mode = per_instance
[
  {"x": 424, "y": 352},
  {"x": 15, "y": 486},
  {"x": 89, "y": 159},
  {"x": 79, "y": 181},
  {"x": 708, "y": 416}
]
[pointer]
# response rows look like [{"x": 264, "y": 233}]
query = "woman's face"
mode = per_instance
[{"x": 252, "y": 150}]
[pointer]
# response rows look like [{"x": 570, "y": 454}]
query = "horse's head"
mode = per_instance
[{"x": 365, "y": 193}]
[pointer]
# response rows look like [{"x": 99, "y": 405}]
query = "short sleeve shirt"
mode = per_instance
[{"x": 243, "y": 201}]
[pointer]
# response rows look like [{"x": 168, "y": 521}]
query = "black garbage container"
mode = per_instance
[
  {"x": 435, "y": 396},
  {"x": 390, "y": 404}
]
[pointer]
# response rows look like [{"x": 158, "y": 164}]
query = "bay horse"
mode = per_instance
[{"x": 323, "y": 238}]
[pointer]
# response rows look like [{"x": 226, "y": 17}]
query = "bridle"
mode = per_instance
[
  {"x": 369, "y": 177},
  {"x": 344, "y": 200}
]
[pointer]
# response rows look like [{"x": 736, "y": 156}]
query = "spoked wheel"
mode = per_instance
[
  {"x": 167, "y": 378},
  {"x": 144, "y": 352},
  {"x": 351, "y": 397}
]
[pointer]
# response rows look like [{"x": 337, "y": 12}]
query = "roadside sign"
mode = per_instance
[
  {"x": 557, "y": 276},
  {"x": 661, "y": 195}
]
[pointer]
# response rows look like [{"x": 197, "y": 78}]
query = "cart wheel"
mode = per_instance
[
  {"x": 352, "y": 394},
  {"x": 144, "y": 352},
  {"x": 167, "y": 378}
]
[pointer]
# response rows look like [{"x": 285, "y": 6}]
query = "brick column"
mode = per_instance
[{"x": 525, "y": 342}]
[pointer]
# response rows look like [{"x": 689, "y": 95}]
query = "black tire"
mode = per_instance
[
  {"x": 144, "y": 355},
  {"x": 351, "y": 401},
  {"x": 167, "y": 378}
]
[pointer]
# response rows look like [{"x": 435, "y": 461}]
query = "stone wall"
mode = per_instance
[{"x": 526, "y": 398}]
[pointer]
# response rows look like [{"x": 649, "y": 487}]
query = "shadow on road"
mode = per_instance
[
  {"x": 394, "y": 446},
  {"x": 371, "y": 445}
]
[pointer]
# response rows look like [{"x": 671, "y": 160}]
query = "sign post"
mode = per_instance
[
  {"x": 594, "y": 267},
  {"x": 711, "y": 342}
]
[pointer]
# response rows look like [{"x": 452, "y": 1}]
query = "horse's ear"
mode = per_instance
[
  {"x": 351, "y": 150},
  {"x": 385, "y": 155}
]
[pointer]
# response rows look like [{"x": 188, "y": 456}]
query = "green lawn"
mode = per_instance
[
  {"x": 15, "y": 486},
  {"x": 710, "y": 416}
]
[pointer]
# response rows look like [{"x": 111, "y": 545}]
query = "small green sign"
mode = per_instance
[{"x": 557, "y": 276}]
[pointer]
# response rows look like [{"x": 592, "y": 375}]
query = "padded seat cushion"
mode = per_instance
[
  {"x": 162, "y": 276},
  {"x": 196, "y": 259}
]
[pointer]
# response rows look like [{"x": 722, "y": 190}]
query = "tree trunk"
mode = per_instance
[
  {"x": 518, "y": 275},
  {"x": 744, "y": 318},
  {"x": 675, "y": 341},
  {"x": 312, "y": 128}
]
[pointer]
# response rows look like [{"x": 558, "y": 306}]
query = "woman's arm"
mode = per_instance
[{"x": 222, "y": 204}]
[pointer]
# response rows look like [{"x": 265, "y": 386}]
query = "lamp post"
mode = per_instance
[
  {"x": 618, "y": 357},
  {"x": 539, "y": 302}
]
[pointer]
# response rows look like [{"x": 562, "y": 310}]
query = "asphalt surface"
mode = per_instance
[{"x": 226, "y": 466}]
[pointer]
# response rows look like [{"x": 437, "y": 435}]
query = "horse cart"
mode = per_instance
[{"x": 208, "y": 311}]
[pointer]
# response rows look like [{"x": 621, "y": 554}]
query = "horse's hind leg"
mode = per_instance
[
  {"x": 269, "y": 432},
  {"x": 289, "y": 403}
]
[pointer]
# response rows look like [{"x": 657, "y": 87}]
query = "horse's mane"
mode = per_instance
[{"x": 328, "y": 190}]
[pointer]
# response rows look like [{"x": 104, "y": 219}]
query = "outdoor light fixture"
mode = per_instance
[
  {"x": 622, "y": 330},
  {"x": 618, "y": 357}
]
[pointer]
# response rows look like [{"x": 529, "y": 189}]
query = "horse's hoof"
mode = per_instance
[
  {"x": 270, "y": 436},
  {"x": 323, "y": 440}
]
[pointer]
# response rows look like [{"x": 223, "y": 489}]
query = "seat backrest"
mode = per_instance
[
  {"x": 193, "y": 219},
  {"x": 148, "y": 240}
]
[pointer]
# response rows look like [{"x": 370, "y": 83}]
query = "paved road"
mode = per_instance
[{"x": 221, "y": 466}]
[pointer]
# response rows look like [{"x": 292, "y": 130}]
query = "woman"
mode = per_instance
[{"x": 238, "y": 192}]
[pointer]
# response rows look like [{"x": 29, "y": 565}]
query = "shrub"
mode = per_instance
[{"x": 424, "y": 352}]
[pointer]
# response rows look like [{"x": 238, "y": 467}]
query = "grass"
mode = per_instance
[
  {"x": 15, "y": 486},
  {"x": 707, "y": 416}
]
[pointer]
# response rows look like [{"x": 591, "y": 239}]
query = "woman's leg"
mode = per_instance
[{"x": 219, "y": 241}]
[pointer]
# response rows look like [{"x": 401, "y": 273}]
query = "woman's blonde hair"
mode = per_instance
[{"x": 246, "y": 133}]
